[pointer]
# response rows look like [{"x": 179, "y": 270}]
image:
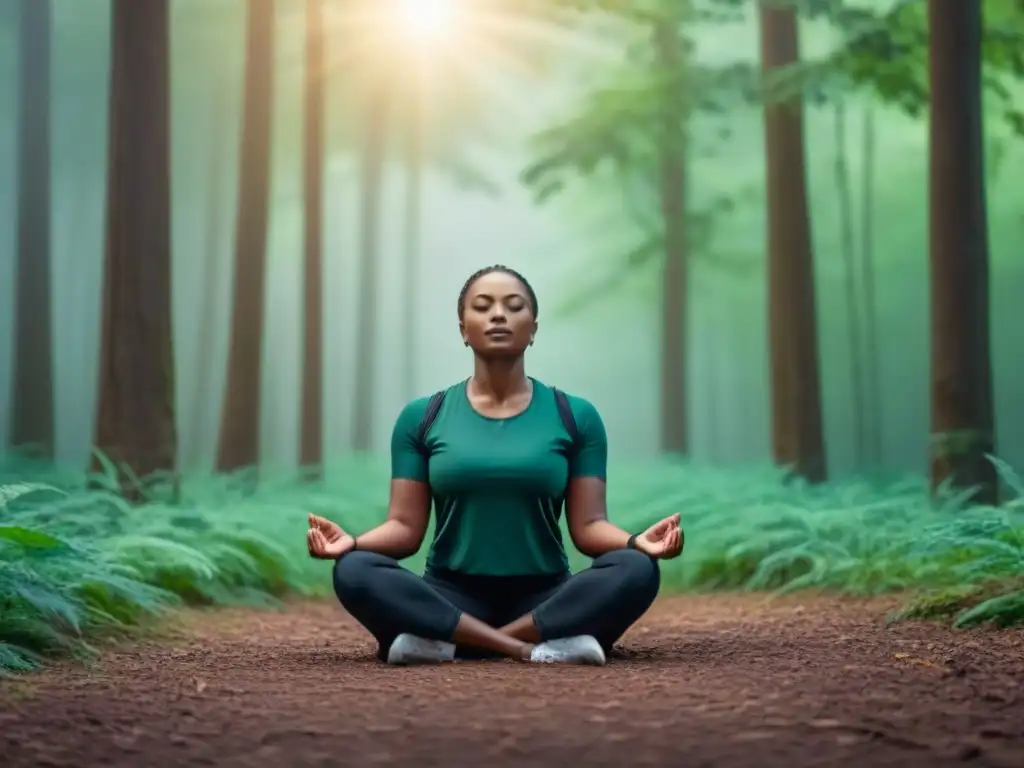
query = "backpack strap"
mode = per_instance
[
  {"x": 565, "y": 412},
  {"x": 429, "y": 415}
]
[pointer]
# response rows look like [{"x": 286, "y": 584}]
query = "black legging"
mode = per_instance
[{"x": 602, "y": 601}]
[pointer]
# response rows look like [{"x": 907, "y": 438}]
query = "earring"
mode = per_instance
[
  {"x": 465, "y": 343},
  {"x": 531, "y": 342}
]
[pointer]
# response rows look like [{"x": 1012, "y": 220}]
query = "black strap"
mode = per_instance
[
  {"x": 433, "y": 408},
  {"x": 565, "y": 411}
]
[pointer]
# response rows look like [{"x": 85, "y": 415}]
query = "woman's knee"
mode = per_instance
[
  {"x": 356, "y": 574},
  {"x": 636, "y": 573}
]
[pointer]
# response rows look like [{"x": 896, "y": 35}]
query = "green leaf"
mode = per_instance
[
  {"x": 30, "y": 538},
  {"x": 1004, "y": 611},
  {"x": 15, "y": 491}
]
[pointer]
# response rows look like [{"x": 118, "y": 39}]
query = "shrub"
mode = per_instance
[{"x": 78, "y": 563}]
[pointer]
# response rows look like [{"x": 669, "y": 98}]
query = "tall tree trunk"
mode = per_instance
[
  {"x": 371, "y": 191},
  {"x": 135, "y": 421},
  {"x": 311, "y": 441},
  {"x": 674, "y": 292},
  {"x": 32, "y": 398},
  {"x": 718, "y": 349},
  {"x": 240, "y": 417},
  {"x": 844, "y": 199},
  {"x": 961, "y": 368},
  {"x": 792, "y": 315},
  {"x": 204, "y": 405},
  {"x": 872, "y": 362},
  {"x": 411, "y": 246}
]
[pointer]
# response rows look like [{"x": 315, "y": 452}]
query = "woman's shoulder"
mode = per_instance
[
  {"x": 417, "y": 408},
  {"x": 583, "y": 410}
]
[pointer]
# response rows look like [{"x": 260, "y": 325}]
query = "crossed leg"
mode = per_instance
[{"x": 602, "y": 601}]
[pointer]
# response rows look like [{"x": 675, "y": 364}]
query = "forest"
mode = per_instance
[{"x": 777, "y": 245}]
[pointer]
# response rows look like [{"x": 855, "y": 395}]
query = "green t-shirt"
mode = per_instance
[{"x": 498, "y": 484}]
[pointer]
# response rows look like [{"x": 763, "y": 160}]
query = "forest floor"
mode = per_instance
[{"x": 723, "y": 680}]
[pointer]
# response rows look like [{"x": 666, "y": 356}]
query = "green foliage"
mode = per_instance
[
  {"x": 886, "y": 53},
  {"x": 79, "y": 564},
  {"x": 658, "y": 111},
  {"x": 850, "y": 538},
  {"x": 999, "y": 601},
  {"x": 940, "y": 604},
  {"x": 1002, "y": 610},
  {"x": 645, "y": 106}
]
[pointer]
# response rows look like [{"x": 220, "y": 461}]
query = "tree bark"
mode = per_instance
[
  {"x": 961, "y": 368},
  {"x": 797, "y": 439},
  {"x": 311, "y": 441},
  {"x": 135, "y": 422},
  {"x": 238, "y": 445},
  {"x": 32, "y": 424},
  {"x": 674, "y": 296}
]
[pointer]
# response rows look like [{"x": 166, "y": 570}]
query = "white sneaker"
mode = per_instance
[
  {"x": 410, "y": 649},
  {"x": 582, "y": 649}
]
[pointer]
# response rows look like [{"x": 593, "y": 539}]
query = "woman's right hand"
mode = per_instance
[{"x": 326, "y": 540}]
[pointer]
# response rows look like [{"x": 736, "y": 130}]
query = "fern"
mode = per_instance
[{"x": 78, "y": 562}]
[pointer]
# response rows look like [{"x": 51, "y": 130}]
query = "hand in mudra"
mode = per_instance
[
  {"x": 663, "y": 540},
  {"x": 326, "y": 540}
]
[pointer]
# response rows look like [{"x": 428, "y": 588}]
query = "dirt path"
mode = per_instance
[{"x": 722, "y": 681}]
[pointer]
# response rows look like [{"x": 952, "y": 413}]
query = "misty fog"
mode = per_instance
[{"x": 606, "y": 351}]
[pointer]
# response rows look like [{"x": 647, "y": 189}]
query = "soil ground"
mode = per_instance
[{"x": 701, "y": 681}]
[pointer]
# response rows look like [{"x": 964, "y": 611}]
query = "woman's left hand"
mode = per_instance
[{"x": 663, "y": 540}]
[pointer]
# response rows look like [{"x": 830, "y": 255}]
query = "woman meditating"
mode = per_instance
[{"x": 497, "y": 454}]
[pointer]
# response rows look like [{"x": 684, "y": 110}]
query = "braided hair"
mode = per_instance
[{"x": 496, "y": 268}]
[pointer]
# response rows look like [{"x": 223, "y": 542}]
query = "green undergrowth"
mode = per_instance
[
  {"x": 79, "y": 564},
  {"x": 997, "y": 601}
]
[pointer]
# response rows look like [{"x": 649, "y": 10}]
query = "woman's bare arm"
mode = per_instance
[
  {"x": 586, "y": 512},
  {"x": 401, "y": 534}
]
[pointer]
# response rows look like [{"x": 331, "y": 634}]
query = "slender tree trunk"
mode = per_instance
[
  {"x": 240, "y": 417},
  {"x": 717, "y": 349},
  {"x": 844, "y": 199},
  {"x": 204, "y": 407},
  {"x": 962, "y": 410},
  {"x": 135, "y": 421},
  {"x": 792, "y": 315},
  {"x": 371, "y": 190},
  {"x": 32, "y": 396},
  {"x": 311, "y": 444},
  {"x": 411, "y": 246},
  {"x": 674, "y": 296},
  {"x": 750, "y": 408},
  {"x": 872, "y": 361}
]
